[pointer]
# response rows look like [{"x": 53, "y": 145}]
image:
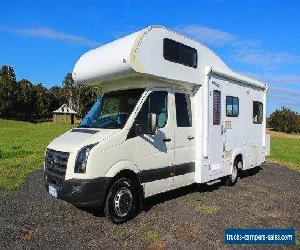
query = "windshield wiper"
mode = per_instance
[{"x": 83, "y": 126}]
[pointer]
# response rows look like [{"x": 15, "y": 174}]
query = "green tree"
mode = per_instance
[
  {"x": 88, "y": 96},
  {"x": 25, "y": 100},
  {"x": 8, "y": 89},
  {"x": 285, "y": 120},
  {"x": 69, "y": 89},
  {"x": 42, "y": 102},
  {"x": 78, "y": 96},
  {"x": 56, "y": 95}
]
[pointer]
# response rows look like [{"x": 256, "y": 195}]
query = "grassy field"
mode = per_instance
[
  {"x": 285, "y": 150},
  {"x": 22, "y": 147}
]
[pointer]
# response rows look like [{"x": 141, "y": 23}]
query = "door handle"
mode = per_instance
[
  {"x": 223, "y": 130},
  {"x": 166, "y": 139},
  {"x": 191, "y": 137}
]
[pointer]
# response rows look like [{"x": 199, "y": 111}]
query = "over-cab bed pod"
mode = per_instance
[{"x": 143, "y": 53}]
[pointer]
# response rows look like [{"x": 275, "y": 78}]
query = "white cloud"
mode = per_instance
[
  {"x": 283, "y": 88},
  {"x": 276, "y": 79},
  {"x": 51, "y": 34},
  {"x": 246, "y": 51},
  {"x": 208, "y": 35},
  {"x": 268, "y": 60},
  {"x": 284, "y": 79},
  {"x": 284, "y": 97},
  {"x": 286, "y": 91},
  {"x": 216, "y": 37}
]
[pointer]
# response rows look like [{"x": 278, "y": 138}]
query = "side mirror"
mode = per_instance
[{"x": 152, "y": 123}]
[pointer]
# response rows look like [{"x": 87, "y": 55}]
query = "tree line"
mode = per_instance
[
  {"x": 284, "y": 120},
  {"x": 23, "y": 100}
]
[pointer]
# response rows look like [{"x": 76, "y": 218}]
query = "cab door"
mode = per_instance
[
  {"x": 184, "y": 166},
  {"x": 154, "y": 154}
]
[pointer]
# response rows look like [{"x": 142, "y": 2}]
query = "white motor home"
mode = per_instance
[{"x": 172, "y": 114}]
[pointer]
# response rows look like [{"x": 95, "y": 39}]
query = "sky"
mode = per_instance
[{"x": 42, "y": 39}]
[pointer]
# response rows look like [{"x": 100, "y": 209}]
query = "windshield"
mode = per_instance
[{"x": 112, "y": 109}]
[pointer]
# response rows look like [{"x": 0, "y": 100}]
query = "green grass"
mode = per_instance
[
  {"x": 22, "y": 148},
  {"x": 207, "y": 209},
  {"x": 149, "y": 235},
  {"x": 285, "y": 151}
]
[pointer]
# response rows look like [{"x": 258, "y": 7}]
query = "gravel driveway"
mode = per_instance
[{"x": 193, "y": 217}]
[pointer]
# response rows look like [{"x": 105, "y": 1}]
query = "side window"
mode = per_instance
[
  {"x": 171, "y": 50},
  {"x": 232, "y": 106},
  {"x": 183, "y": 110},
  {"x": 216, "y": 107},
  {"x": 257, "y": 112},
  {"x": 156, "y": 102},
  {"x": 179, "y": 53}
]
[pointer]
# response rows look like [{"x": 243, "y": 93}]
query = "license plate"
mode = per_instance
[{"x": 53, "y": 191}]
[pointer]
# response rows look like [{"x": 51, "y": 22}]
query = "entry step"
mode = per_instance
[{"x": 213, "y": 182}]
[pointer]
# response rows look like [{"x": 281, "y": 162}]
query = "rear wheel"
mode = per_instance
[
  {"x": 121, "y": 201},
  {"x": 231, "y": 180}
]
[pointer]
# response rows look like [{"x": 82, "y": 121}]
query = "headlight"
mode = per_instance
[{"x": 82, "y": 157}]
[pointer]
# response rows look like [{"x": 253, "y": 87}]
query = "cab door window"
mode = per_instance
[
  {"x": 156, "y": 102},
  {"x": 183, "y": 110}
]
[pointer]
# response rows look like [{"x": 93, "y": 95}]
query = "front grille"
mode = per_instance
[{"x": 55, "y": 166}]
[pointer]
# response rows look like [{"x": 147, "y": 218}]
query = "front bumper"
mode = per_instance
[{"x": 82, "y": 192}]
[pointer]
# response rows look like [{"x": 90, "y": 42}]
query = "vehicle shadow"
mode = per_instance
[
  {"x": 97, "y": 212},
  {"x": 199, "y": 188},
  {"x": 152, "y": 201},
  {"x": 250, "y": 172},
  {"x": 180, "y": 192}
]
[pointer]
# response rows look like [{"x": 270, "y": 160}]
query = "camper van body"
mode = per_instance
[{"x": 213, "y": 122}]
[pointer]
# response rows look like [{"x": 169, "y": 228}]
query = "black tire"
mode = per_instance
[
  {"x": 121, "y": 201},
  {"x": 231, "y": 179}
]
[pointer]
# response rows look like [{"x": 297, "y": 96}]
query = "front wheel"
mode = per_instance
[{"x": 121, "y": 201}]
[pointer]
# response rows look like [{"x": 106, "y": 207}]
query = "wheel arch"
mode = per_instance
[
  {"x": 129, "y": 170},
  {"x": 237, "y": 155},
  {"x": 121, "y": 166}
]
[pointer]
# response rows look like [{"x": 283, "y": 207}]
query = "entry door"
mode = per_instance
[
  {"x": 154, "y": 154},
  {"x": 184, "y": 166},
  {"x": 215, "y": 128}
]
